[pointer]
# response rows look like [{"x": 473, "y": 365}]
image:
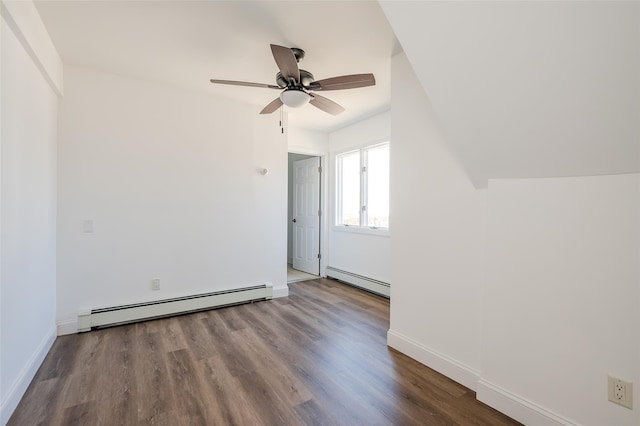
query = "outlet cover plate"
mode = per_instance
[{"x": 620, "y": 392}]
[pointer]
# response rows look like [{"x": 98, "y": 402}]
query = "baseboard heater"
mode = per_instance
[
  {"x": 108, "y": 317},
  {"x": 375, "y": 286}
]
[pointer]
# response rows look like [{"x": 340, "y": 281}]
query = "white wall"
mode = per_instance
[
  {"x": 368, "y": 131},
  {"x": 366, "y": 254},
  {"x": 512, "y": 290},
  {"x": 305, "y": 141},
  {"x": 28, "y": 198},
  {"x": 561, "y": 305},
  {"x": 25, "y": 22},
  {"x": 512, "y": 82},
  {"x": 170, "y": 180},
  {"x": 438, "y": 220}
]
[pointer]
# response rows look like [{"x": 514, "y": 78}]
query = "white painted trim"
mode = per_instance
[
  {"x": 455, "y": 370},
  {"x": 324, "y": 202},
  {"x": 365, "y": 144},
  {"x": 516, "y": 407},
  {"x": 69, "y": 326},
  {"x": 373, "y": 285},
  {"x": 280, "y": 291},
  {"x": 292, "y": 149},
  {"x": 365, "y": 230},
  {"x": 19, "y": 387},
  {"x": 23, "y": 19}
]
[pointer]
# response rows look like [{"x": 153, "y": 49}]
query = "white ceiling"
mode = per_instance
[{"x": 185, "y": 43}]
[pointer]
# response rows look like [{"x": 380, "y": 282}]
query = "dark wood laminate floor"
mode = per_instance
[{"x": 318, "y": 357}]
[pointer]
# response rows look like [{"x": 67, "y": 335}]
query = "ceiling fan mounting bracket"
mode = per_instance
[{"x": 298, "y": 53}]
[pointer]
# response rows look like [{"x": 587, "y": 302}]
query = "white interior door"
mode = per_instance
[{"x": 306, "y": 215}]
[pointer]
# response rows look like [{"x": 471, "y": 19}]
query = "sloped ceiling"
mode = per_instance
[
  {"x": 529, "y": 89},
  {"x": 186, "y": 43}
]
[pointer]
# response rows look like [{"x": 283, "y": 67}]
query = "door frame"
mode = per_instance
[{"x": 324, "y": 218}]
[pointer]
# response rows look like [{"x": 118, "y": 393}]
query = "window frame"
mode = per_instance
[{"x": 363, "y": 213}]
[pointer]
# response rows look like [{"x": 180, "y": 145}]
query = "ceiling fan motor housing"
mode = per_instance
[{"x": 306, "y": 78}]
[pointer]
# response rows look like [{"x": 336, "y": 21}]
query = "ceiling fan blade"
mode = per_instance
[
  {"x": 326, "y": 105},
  {"x": 286, "y": 61},
  {"x": 344, "y": 82},
  {"x": 245, "y": 83},
  {"x": 273, "y": 105}
]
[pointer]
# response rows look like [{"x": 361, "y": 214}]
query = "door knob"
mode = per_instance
[{"x": 294, "y": 221}]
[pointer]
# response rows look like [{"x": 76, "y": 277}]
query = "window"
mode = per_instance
[{"x": 362, "y": 187}]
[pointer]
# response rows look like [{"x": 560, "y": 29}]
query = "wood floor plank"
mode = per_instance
[
  {"x": 154, "y": 399},
  {"x": 173, "y": 338},
  {"x": 226, "y": 397},
  {"x": 81, "y": 414},
  {"x": 231, "y": 319},
  {"x": 317, "y": 357},
  {"x": 312, "y": 413},
  {"x": 197, "y": 336},
  {"x": 41, "y": 411},
  {"x": 259, "y": 394},
  {"x": 283, "y": 381},
  {"x": 117, "y": 388},
  {"x": 60, "y": 359},
  {"x": 237, "y": 362},
  {"x": 189, "y": 406},
  {"x": 80, "y": 387}
]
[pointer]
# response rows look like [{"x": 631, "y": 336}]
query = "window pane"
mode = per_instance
[
  {"x": 378, "y": 186},
  {"x": 349, "y": 169}
]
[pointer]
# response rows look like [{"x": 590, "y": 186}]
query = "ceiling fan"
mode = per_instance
[{"x": 297, "y": 85}]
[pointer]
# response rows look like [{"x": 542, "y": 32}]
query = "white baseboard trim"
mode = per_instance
[
  {"x": 20, "y": 385},
  {"x": 69, "y": 326},
  {"x": 369, "y": 284},
  {"x": 280, "y": 291},
  {"x": 455, "y": 370},
  {"x": 517, "y": 407}
]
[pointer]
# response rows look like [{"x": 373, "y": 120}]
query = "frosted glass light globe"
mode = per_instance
[{"x": 294, "y": 98}]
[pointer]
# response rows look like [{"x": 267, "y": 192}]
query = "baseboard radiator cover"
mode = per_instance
[
  {"x": 93, "y": 319},
  {"x": 375, "y": 286}
]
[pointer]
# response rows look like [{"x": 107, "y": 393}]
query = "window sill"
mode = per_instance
[{"x": 362, "y": 230}]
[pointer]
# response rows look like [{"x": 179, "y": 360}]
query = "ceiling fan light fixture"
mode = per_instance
[
  {"x": 297, "y": 86},
  {"x": 294, "y": 98}
]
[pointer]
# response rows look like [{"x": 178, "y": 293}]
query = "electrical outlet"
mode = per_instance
[
  {"x": 620, "y": 392},
  {"x": 155, "y": 284}
]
